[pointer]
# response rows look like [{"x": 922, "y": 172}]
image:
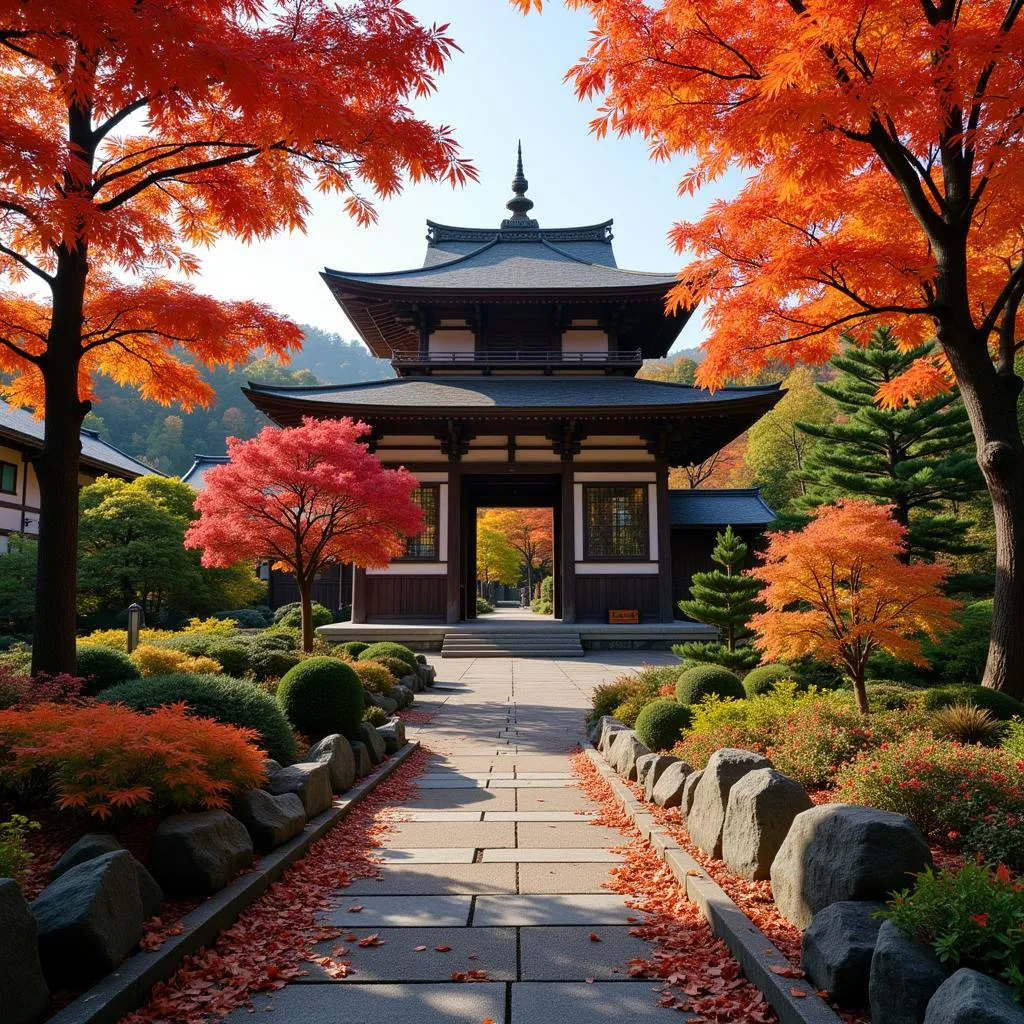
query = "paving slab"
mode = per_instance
[
  {"x": 400, "y": 911},
  {"x": 577, "y": 834},
  {"x": 520, "y": 783},
  {"x": 568, "y": 954},
  {"x": 395, "y": 1004},
  {"x": 409, "y": 835},
  {"x": 580, "y": 1003},
  {"x": 398, "y": 958},
  {"x": 462, "y": 800},
  {"x": 546, "y": 800},
  {"x": 552, "y": 855},
  {"x": 443, "y": 816},
  {"x": 454, "y": 782},
  {"x": 540, "y": 775},
  {"x": 558, "y": 878},
  {"x": 458, "y": 773},
  {"x": 428, "y": 855},
  {"x": 566, "y": 816},
  {"x": 575, "y": 909},
  {"x": 441, "y": 879}
]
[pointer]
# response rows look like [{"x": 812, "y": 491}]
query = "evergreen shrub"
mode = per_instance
[
  {"x": 290, "y": 615},
  {"x": 101, "y": 667},
  {"x": 764, "y": 677},
  {"x": 353, "y": 648},
  {"x": 233, "y": 656},
  {"x": 320, "y": 696},
  {"x": 1002, "y": 705},
  {"x": 660, "y": 724},
  {"x": 374, "y": 676},
  {"x": 389, "y": 649},
  {"x": 694, "y": 684}
]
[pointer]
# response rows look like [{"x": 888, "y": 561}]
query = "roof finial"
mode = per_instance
[{"x": 519, "y": 204}]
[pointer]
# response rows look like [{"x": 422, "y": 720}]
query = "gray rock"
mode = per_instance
[
  {"x": 689, "y": 789},
  {"x": 762, "y": 806},
  {"x": 363, "y": 763},
  {"x": 198, "y": 854},
  {"x": 969, "y": 997},
  {"x": 393, "y": 735},
  {"x": 643, "y": 766},
  {"x": 373, "y": 741},
  {"x": 386, "y": 704},
  {"x": 95, "y": 844},
  {"x": 841, "y": 852},
  {"x": 606, "y": 734},
  {"x": 837, "y": 947},
  {"x": 624, "y": 751},
  {"x": 270, "y": 766},
  {"x": 904, "y": 976},
  {"x": 310, "y": 781},
  {"x": 596, "y": 729},
  {"x": 668, "y": 790},
  {"x": 89, "y": 919},
  {"x": 335, "y": 752},
  {"x": 706, "y": 817},
  {"x": 270, "y": 819},
  {"x": 655, "y": 772},
  {"x": 403, "y": 695},
  {"x": 412, "y": 682},
  {"x": 24, "y": 995},
  {"x": 426, "y": 674}
]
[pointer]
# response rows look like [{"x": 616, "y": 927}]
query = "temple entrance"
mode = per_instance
[{"x": 533, "y": 492}]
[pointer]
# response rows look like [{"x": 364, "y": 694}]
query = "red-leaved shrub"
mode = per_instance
[
  {"x": 19, "y": 690},
  {"x": 107, "y": 758}
]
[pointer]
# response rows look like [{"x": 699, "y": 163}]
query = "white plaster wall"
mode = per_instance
[
  {"x": 588, "y": 340},
  {"x": 447, "y": 340}
]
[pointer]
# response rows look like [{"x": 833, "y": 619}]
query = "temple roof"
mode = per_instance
[
  {"x": 719, "y": 507},
  {"x": 22, "y": 428},
  {"x": 196, "y": 473}
]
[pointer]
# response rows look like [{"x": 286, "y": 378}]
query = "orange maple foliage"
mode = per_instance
[
  {"x": 108, "y": 759},
  {"x": 838, "y": 590},
  {"x": 876, "y": 149},
  {"x": 133, "y": 132},
  {"x": 529, "y": 531}
]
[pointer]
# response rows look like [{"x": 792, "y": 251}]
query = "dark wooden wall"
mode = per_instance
[
  {"x": 398, "y": 598},
  {"x": 691, "y": 552},
  {"x": 595, "y": 595},
  {"x": 332, "y": 589}
]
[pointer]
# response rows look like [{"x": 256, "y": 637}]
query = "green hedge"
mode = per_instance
[
  {"x": 290, "y": 615},
  {"x": 389, "y": 649},
  {"x": 354, "y": 648},
  {"x": 233, "y": 656},
  {"x": 231, "y": 701},
  {"x": 698, "y": 682},
  {"x": 101, "y": 667},
  {"x": 1002, "y": 705},
  {"x": 660, "y": 724},
  {"x": 321, "y": 696},
  {"x": 764, "y": 677}
]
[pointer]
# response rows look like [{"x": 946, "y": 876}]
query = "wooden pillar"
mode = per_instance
[
  {"x": 358, "y": 594},
  {"x": 666, "y": 613},
  {"x": 568, "y": 538},
  {"x": 455, "y": 531}
]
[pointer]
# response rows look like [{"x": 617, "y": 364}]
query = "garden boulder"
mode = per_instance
[
  {"x": 624, "y": 751},
  {"x": 373, "y": 741},
  {"x": 310, "y": 781},
  {"x": 839, "y": 852},
  {"x": 650, "y": 768},
  {"x": 412, "y": 682},
  {"x": 198, "y": 854},
  {"x": 762, "y": 806},
  {"x": 387, "y": 704},
  {"x": 668, "y": 790},
  {"x": 606, "y": 734},
  {"x": 393, "y": 735},
  {"x": 968, "y": 997},
  {"x": 706, "y": 817},
  {"x": 24, "y": 995},
  {"x": 403, "y": 695},
  {"x": 270, "y": 819},
  {"x": 904, "y": 977},
  {"x": 89, "y": 919},
  {"x": 363, "y": 763},
  {"x": 837, "y": 948},
  {"x": 335, "y": 752},
  {"x": 605, "y": 723},
  {"x": 427, "y": 674},
  {"x": 692, "y": 782},
  {"x": 95, "y": 844}
]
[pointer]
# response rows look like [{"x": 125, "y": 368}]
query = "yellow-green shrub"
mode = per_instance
[
  {"x": 162, "y": 661},
  {"x": 373, "y": 676}
]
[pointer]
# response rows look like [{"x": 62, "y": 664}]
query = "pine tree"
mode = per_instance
[
  {"x": 724, "y": 598},
  {"x": 920, "y": 459}
]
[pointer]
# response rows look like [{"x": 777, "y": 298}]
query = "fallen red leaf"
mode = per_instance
[
  {"x": 442, "y": 949},
  {"x": 372, "y": 940},
  {"x": 594, "y": 937},
  {"x": 797, "y": 993}
]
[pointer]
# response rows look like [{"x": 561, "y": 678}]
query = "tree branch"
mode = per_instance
[{"x": 27, "y": 264}]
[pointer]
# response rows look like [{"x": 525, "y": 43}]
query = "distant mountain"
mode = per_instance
[{"x": 167, "y": 438}]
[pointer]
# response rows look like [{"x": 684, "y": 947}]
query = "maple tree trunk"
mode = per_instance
[
  {"x": 306, "y": 605},
  {"x": 56, "y": 467}
]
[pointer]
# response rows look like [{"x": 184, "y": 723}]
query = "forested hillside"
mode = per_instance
[{"x": 167, "y": 438}]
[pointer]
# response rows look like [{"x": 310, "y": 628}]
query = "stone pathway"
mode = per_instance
[{"x": 495, "y": 869}]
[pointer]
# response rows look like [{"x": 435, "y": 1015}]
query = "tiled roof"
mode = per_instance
[
  {"x": 719, "y": 507},
  {"x": 196, "y": 473},
  {"x": 527, "y": 392},
  {"x": 24, "y": 427}
]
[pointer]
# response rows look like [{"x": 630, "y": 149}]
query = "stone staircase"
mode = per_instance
[{"x": 511, "y": 643}]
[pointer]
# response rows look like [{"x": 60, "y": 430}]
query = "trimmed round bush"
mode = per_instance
[
  {"x": 764, "y": 677},
  {"x": 374, "y": 676},
  {"x": 421, "y": 659},
  {"x": 101, "y": 667},
  {"x": 886, "y": 695},
  {"x": 661, "y": 723},
  {"x": 290, "y": 615},
  {"x": 271, "y": 663},
  {"x": 389, "y": 649},
  {"x": 354, "y": 648},
  {"x": 320, "y": 696},
  {"x": 395, "y": 666},
  {"x": 1002, "y": 705},
  {"x": 375, "y": 715},
  {"x": 230, "y": 701},
  {"x": 232, "y": 656},
  {"x": 698, "y": 682},
  {"x": 246, "y": 618}
]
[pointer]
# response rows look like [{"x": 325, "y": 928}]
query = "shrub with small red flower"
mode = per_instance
[
  {"x": 106, "y": 759},
  {"x": 696, "y": 748},
  {"x": 955, "y": 793}
]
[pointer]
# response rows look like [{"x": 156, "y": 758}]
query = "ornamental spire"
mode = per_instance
[{"x": 519, "y": 205}]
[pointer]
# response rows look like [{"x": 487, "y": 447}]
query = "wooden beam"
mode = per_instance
[
  {"x": 455, "y": 531},
  {"x": 666, "y": 613},
  {"x": 568, "y": 545},
  {"x": 358, "y": 594}
]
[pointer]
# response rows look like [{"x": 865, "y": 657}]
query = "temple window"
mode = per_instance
[
  {"x": 423, "y": 547},
  {"x": 615, "y": 521}
]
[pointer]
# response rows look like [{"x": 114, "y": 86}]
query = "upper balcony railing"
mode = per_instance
[{"x": 493, "y": 358}]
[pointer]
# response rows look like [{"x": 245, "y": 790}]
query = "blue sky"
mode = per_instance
[{"x": 505, "y": 85}]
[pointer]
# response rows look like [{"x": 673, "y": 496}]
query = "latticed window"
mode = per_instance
[
  {"x": 615, "y": 521},
  {"x": 424, "y": 545}
]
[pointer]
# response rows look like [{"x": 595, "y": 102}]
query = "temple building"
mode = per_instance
[{"x": 516, "y": 350}]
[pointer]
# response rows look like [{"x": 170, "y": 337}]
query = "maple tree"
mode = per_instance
[
  {"x": 496, "y": 559},
  {"x": 838, "y": 590},
  {"x": 529, "y": 532},
  {"x": 307, "y": 498},
  {"x": 882, "y": 156},
  {"x": 135, "y": 131}
]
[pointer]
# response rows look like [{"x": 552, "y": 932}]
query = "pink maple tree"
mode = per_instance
[{"x": 307, "y": 498}]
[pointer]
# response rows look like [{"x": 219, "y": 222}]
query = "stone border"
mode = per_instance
[
  {"x": 126, "y": 989},
  {"x": 752, "y": 948}
]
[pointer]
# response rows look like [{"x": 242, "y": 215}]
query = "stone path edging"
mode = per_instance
[
  {"x": 752, "y": 948},
  {"x": 127, "y": 988}
]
